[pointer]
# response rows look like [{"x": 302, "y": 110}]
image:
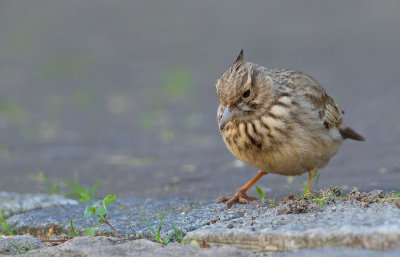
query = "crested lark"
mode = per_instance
[{"x": 278, "y": 121}]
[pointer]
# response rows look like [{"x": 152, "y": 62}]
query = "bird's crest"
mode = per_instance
[{"x": 239, "y": 59}]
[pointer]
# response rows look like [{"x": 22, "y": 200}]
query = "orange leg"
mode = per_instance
[
  {"x": 311, "y": 174},
  {"x": 241, "y": 196}
]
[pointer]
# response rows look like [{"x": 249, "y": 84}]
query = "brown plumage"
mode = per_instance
[{"x": 279, "y": 121}]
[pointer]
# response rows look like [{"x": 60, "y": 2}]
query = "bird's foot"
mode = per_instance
[
  {"x": 311, "y": 175},
  {"x": 240, "y": 197}
]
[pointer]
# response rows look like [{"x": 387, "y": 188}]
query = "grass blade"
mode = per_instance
[
  {"x": 17, "y": 248},
  {"x": 73, "y": 230},
  {"x": 160, "y": 225},
  {"x": 149, "y": 226},
  {"x": 5, "y": 225}
]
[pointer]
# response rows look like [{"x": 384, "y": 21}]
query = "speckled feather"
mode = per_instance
[{"x": 286, "y": 125}]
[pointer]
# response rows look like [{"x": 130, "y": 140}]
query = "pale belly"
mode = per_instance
[
  {"x": 290, "y": 158},
  {"x": 288, "y": 161}
]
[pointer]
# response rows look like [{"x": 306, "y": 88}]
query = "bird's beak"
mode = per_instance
[{"x": 226, "y": 117}]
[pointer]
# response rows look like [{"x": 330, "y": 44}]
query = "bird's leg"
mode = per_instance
[
  {"x": 311, "y": 174},
  {"x": 241, "y": 196}
]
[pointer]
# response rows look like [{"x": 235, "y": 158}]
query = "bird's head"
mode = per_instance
[{"x": 238, "y": 91}]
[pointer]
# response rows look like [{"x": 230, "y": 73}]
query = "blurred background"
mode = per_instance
[{"x": 123, "y": 92}]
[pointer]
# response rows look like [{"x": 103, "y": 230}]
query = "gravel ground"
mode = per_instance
[{"x": 354, "y": 224}]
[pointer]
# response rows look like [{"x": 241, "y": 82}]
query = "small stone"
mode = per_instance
[
  {"x": 337, "y": 191},
  {"x": 24, "y": 243},
  {"x": 355, "y": 194},
  {"x": 230, "y": 225},
  {"x": 284, "y": 209},
  {"x": 14, "y": 203},
  {"x": 397, "y": 203}
]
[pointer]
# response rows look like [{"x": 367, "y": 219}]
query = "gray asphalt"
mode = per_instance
[{"x": 124, "y": 92}]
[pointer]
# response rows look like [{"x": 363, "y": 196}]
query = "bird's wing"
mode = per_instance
[{"x": 329, "y": 112}]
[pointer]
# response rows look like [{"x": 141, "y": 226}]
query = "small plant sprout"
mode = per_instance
[
  {"x": 179, "y": 233},
  {"x": 271, "y": 203},
  {"x": 262, "y": 197},
  {"x": 321, "y": 199},
  {"x": 261, "y": 193},
  {"x": 397, "y": 166},
  {"x": 157, "y": 235},
  {"x": 391, "y": 196},
  {"x": 83, "y": 193},
  {"x": 99, "y": 210},
  {"x": 4, "y": 224},
  {"x": 74, "y": 233},
  {"x": 19, "y": 250}
]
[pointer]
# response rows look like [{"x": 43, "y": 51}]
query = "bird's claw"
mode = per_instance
[{"x": 240, "y": 197}]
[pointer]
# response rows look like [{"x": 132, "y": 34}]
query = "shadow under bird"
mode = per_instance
[{"x": 278, "y": 121}]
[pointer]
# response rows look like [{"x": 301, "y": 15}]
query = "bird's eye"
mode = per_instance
[{"x": 246, "y": 93}]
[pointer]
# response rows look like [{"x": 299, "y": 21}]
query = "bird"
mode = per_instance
[{"x": 279, "y": 121}]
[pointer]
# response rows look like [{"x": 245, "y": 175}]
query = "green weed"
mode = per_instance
[
  {"x": 157, "y": 235},
  {"x": 4, "y": 224},
  {"x": 74, "y": 233},
  {"x": 391, "y": 196},
  {"x": 19, "y": 250},
  {"x": 83, "y": 193},
  {"x": 100, "y": 211},
  {"x": 179, "y": 233},
  {"x": 320, "y": 199},
  {"x": 271, "y": 203}
]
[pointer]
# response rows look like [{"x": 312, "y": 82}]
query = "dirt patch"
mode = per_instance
[
  {"x": 295, "y": 206},
  {"x": 327, "y": 196},
  {"x": 370, "y": 197}
]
